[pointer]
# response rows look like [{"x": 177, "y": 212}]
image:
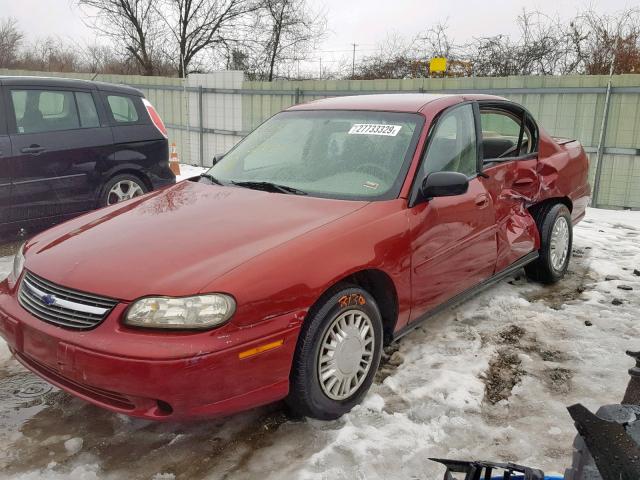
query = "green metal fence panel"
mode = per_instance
[
  {"x": 568, "y": 106},
  {"x": 565, "y": 106}
]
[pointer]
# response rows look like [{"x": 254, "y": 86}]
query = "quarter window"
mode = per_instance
[
  {"x": 122, "y": 108},
  {"x": 44, "y": 111},
  {"x": 453, "y": 144}
]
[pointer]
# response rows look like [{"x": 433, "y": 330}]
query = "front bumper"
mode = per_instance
[{"x": 156, "y": 376}]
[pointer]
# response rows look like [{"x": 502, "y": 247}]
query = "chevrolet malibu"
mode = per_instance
[{"x": 334, "y": 228}]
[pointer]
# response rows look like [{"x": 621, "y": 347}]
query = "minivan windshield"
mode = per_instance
[{"x": 362, "y": 155}]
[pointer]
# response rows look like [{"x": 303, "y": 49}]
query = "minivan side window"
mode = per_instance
[
  {"x": 452, "y": 147},
  {"x": 122, "y": 108},
  {"x": 44, "y": 110},
  {"x": 87, "y": 110}
]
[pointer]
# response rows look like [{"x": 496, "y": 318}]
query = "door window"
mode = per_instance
[
  {"x": 453, "y": 144},
  {"x": 501, "y": 135},
  {"x": 122, "y": 108},
  {"x": 44, "y": 111},
  {"x": 87, "y": 110}
]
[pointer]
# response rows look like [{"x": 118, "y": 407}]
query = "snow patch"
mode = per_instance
[
  {"x": 73, "y": 445},
  {"x": 188, "y": 171}
]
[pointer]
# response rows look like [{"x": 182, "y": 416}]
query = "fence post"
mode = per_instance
[
  {"x": 297, "y": 97},
  {"x": 600, "y": 151},
  {"x": 201, "y": 124}
]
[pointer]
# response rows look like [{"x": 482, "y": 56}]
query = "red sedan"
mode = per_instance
[{"x": 334, "y": 228}]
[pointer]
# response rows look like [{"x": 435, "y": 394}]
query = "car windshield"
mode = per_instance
[{"x": 361, "y": 155}]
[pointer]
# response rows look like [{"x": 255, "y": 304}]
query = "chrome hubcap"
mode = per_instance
[
  {"x": 124, "y": 190},
  {"x": 346, "y": 354},
  {"x": 559, "y": 247}
]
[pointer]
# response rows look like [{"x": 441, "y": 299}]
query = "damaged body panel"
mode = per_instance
[{"x": 409, "y": 203}]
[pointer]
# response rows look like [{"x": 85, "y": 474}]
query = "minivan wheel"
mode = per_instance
[
  {"x": 556, "y": 238},
  {"x": 120, "y": 188},
  {"x": 337, "y": 355}
]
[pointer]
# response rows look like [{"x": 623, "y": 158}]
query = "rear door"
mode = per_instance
[
  {"x": 453, "y": 238},
  {"x": 509, "y": 152},
  {"x": 136, "y": 139},
  {"x": 5, "y": 171},
  {"x": 57, "y": 145}
]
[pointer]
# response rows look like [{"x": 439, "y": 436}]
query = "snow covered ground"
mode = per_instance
[
  {"x": 187, "y": 171},
  {"x": 488, "y": 380}
]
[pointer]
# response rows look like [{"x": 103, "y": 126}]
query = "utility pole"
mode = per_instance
[
  {"x": 320, "y": 68},
  {"x": 603, "y": 129},
  {"x": 353, "y": 62}
]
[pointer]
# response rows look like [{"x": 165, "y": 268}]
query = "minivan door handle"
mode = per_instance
[{"x": 33, "y": 149}]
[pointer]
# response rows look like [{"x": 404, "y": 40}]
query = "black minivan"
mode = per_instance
[{"x": 69, "y": 146}]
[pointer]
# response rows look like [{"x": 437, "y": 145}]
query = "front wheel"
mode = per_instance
[
  {"x": 337, "y": 355},
  {"x": 556, "y": 238}
]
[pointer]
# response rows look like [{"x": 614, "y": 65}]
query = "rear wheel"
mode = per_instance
[
  {"x": 556, "y": 238},
  {"x": 337, "y": 355},
  {"x": 120, "y": 188}
]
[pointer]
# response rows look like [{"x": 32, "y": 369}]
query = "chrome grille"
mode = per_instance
[{"x": 62, "y": 306}]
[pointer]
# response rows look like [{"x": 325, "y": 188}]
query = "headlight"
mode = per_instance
[
  {"x": 200, "y": 312},
  {"x": 18, "y": 263}
]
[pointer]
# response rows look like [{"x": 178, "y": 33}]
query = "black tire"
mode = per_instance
[
  {"x": 306, "y": 395},
  {"x": 103, "y": 200},
  {"x": 546, "y": 216}
]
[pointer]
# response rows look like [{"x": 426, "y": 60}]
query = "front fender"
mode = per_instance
[{"x": 295, "y": 274}]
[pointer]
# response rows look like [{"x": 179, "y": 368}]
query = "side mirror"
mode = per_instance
[
  {"x": 217, "y": 158},
  {"x": 444, "y": 184}
]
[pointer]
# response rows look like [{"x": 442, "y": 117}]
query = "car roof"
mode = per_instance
[
  {"x": 29, "y": 81},
  {"x": 391, "y": 102}
]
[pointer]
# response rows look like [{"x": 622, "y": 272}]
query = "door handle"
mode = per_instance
[
  {"x": 523, "y": 182},
  {"x": 33, "y": 149},
  {"x": 482, "y": 200}
]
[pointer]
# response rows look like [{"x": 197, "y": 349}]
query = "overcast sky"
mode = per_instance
[{"x": 365, "y": 22}]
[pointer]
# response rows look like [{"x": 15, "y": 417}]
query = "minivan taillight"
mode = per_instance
[{"x": 155, "y": 118}]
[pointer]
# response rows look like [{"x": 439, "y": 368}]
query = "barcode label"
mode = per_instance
[{"x": 375, "y": 129}]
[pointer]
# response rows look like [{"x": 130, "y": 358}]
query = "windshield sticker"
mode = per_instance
[
  {"x": 375, "y": 129},
  {"x": 371, "y": 185}
]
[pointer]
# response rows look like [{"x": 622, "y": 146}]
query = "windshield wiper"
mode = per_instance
[
  {"x": 212, "y": 178},
  {"x": 270, "y": 187}
]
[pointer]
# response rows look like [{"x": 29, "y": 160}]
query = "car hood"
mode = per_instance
[{"x": 174, "y": 241}]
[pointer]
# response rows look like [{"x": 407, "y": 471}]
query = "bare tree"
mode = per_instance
[
  {"x": 134, "y": 25},
  {"x": 396, "y": 57},
  {"x": 98, "y": 58},
  {"x": 435, "y": 42},
  {"x": 198, "y": 25},
  {"x": 50, "y": 54},
  {"x": 10, "y": 41},
  {"x": 607, "y": 38},
  {"x": 546, "y": 46},
  {"x": 292, "y": 29}
]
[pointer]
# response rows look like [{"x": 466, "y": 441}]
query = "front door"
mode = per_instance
[
  {"x": 453, "y": 238},
  {"x": 56, "y": 141},
  {"x": 509, "y": 150}
]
